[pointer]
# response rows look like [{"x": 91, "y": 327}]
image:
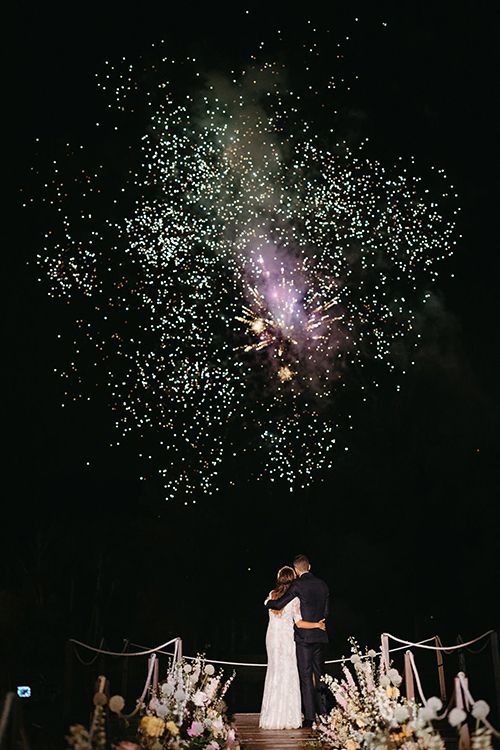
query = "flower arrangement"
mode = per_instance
[
  {"x": 371, "y": 714},
  {"x": 188, "y": 710}
]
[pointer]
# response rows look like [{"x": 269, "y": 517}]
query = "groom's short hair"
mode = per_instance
[{"x": 301, "y": 562}]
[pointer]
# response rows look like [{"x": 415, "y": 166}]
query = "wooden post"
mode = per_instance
[
  {"x": 5, "y": 715},
  {"x": 155, "y": 675},
  {"x": 409, "y": 684},
  {"x": 18, "y": 732},
  {"x": 495, "y": 657},
  {"x": 461, "y": 656},
  {"x": 68, "y": 684},
  {"x": 123, "y": 688},
  {"x": 384, "y": 647},
  {"x": 151, "y": 669},
  {"x": 464, "y": 736},
  {"x": 440, "y": 665}
]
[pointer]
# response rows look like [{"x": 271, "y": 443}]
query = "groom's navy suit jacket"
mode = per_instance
[{"x": 314, "y": 606}]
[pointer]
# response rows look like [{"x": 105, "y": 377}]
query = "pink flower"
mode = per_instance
[
  {"x": 196, "y": 729},
  {"x": 217, "y": 726},
  {"x": 341, "y": 701},
  {"x": 349, "y": 677}
]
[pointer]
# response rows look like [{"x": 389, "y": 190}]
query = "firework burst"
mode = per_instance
[{"x": 258, "y": 268}]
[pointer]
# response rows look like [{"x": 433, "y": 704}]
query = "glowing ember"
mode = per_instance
[{"x": 285, "y": 374}]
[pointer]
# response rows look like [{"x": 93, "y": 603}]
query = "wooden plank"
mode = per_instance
[{"x": 254, "y": 738}]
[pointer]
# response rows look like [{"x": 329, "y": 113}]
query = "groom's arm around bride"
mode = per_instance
[{"x": 313, "y": 594}]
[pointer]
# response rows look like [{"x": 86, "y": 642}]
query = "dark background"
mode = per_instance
[{"x": 404, "y": 529}]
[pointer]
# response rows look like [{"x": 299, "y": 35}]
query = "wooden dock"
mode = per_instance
[{"x": 254, "y": 738}]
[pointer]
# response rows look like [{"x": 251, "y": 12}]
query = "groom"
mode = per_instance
[{"x": 314, "y": 605}]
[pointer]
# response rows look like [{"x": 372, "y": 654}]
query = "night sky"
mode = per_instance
[{"x": 405, "y": 527}]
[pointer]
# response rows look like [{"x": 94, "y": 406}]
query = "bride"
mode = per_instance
[{"x": 281, "y": 704}]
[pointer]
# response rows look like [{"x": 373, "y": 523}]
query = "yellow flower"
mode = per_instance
[
  {"x": 351, "y": 745},
  {"x": 152, "y": 726},
  {"x": 391, "y": 692},
  {"x": 172, "y": 728}
]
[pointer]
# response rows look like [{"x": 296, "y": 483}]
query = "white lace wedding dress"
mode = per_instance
[{"x": 281, "y": 707}]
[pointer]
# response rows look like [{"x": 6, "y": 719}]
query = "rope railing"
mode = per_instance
[
  {"x": 145, "y": 650},
  {"x": 212, "y": 661},
  {"x": 152, "y": 669},
  {"x": 377, "y": 653},
  {"x": 446, "y": 649},
  {"x": 126, "y": 653},
  {"x": 264, "y": 664},
  {"x": 411, "y": 673},
  {"x": 91, "y": 661}
]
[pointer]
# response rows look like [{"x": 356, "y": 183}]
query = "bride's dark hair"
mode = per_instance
[{"x": 285, "y": 576}]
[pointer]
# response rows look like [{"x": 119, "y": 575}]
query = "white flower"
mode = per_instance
[
  {"x": 394, "y": 677},
  {"x": 434, "y": 704},
  {"x": 162, "y": 710},
  {"x": 384, "y": 681},
  {"x": 425, "y": 715},
  {"x": 200, "y": 698},
  {"x": 188, "y": 668},
  {"x": 456, "y": 716},
  {"x": 372, "y": 653},
  {"x": 209, "y": 669},
  {"x": 401, "y": 713},
  {"x": 167, "y": 689},
  {"x": 180, "y": 695},
  {"x": 355, "y": 659},
  {"x": 196, "y": 673},
  {"x": 211, "y": 687},
  {"x": 480, "y": 710},
  {"x": 116, "y": 703}
]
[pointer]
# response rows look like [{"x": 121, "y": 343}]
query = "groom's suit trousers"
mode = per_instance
[{"x": 310, "y": 664}]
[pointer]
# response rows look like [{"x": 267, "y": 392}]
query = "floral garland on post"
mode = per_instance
[{"x": 371, "y": 714}]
